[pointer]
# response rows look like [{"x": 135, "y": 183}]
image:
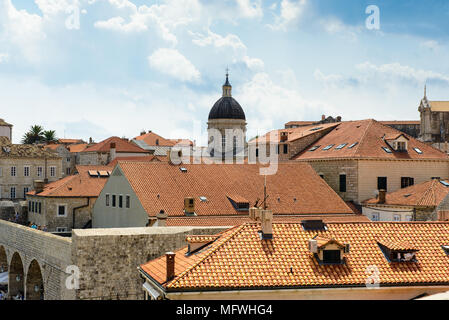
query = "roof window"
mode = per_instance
[
  {"x": 313, "y": 225},
  {"x": 314, "y": 148},
  {"x": 315, "y": 129},
  {"x": 387, "y": 150},
  {"x": 353, "y": 145},
  {"x": 328, "y": 147},
  {"x": 183, "y": 169},
  {"x": 341, "y": 146},
  {"x": 418, "y": 150},
  {"x": 203, "y": 199},
  {"x": 398, "y": 251},
  {"x": 328, "y": 251},
  {"x": 446, "y": 249},
  {"x": 444, "y": 183}
]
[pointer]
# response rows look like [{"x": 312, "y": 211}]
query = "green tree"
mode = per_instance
[
  {"x": 49, "y": 136},
  {"x": 34, "y": 135}
]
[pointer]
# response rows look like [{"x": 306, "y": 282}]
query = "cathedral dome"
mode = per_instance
[{"x": 227, "y": 107}]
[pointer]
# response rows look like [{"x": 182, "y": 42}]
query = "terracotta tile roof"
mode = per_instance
[
  {"x": 239, "y": 259},
  {"x": 70, "y": 141},
  {"x": 439, "y": 106},
  {"x": 368, "y": 134},
  {"x": 8, "y": 150},
  {"x": 401, "y": 122},
  {"x": 294, "y": 189},
  {"x": 294, "y": 133},
  {"x": 79, "y": 147},
  {"x": 238, "y": 220},
  {"x": 426, "y": 194},
  {"x": 151, "y": 137},
  {"x": 52, "y": 146},
  {"x": 121, "y": 145},
  {"x": 299, "y": 123},
  {"x": 201, "y": 238},
  {"x": 398, "y": 245},
  {"x": 182, "y": 142},
  {"x": 77, "y": 185},
  {"x": 138, "y": 158},
  {"x": 4, "y": 123},
  {"x": 323, "y": 241}
]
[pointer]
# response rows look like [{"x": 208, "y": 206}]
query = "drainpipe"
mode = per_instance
[{"x": 76, "y": 208}]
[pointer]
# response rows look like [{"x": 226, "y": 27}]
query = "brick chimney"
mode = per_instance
[
  {"x": 323, "y": 117},
  {"x": 113, "y": 151},
  {"x": 382, "y": 195},
  {"x": 267, "y": 224},
  {"x": 170, "y": 258}
]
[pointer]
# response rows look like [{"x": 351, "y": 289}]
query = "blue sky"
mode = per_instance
[{"x": 130, "y": 65}]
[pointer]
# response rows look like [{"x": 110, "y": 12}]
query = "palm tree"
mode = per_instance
[
  {"x": 34, "y": 135},
  {"x": 49, "y": 136}
]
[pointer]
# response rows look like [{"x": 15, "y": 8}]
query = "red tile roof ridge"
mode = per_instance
[{"x": 221, "y": 241}]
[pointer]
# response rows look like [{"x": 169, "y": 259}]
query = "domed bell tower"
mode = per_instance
[{"x": 226, "y": 126}]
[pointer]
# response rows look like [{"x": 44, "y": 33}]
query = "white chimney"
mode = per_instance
[{"x": 267, "y": 224}]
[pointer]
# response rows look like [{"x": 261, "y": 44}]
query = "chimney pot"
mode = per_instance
[
  {"x": 112, "y": 145},
  {"x": 170, "y": 257},
  {"x": 323, "y": 117},
  {"x": 382, "y": 195},
  {"x": 162, "y": 219}
]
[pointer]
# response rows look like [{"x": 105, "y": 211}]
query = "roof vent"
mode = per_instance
[
  {"x": 313, "y": 225},
  {"x": 183, "y": 170}
]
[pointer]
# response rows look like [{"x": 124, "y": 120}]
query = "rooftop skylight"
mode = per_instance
[
  {"x": 387, "y": 150},
  {"x": 317, "y": 128},
  {"x": 341, "y": 146},
  {"x": 418, "y": 150},
  {"x": 328, "y": 147},
  {"x": 444, "y": 183},
  {"x": 353, "y": 145},
  {"x": 314, "y": 148},
  {"x": 203, "y": 199}
]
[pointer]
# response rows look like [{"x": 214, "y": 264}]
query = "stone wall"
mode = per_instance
[
  {"x": 331, "y": 171},
  {"x": 108, "y": 258},
  {"x": 53, "y": 254},
  {"x": 93, "y": 158}
]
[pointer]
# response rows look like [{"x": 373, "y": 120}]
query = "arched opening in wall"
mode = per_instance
[
  {"x": 34, "y": 282},
  {"x": 16, "y": 288},
  {"x": 3, "y": 271}
]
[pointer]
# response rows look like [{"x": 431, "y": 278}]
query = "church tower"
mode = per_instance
[{"x": 226, "y": 127}]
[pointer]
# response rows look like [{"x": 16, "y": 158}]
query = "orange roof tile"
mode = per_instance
[
  {"x": 70, "y": 141},
  {"x": 138, "y": 158},
  {"x": 121, "y": 145},
  {"x": 151, "y": 138},
  {"x": 238, "y": 220},
  {"x": 79, "y": 147},
  {"x": 77, "y": 185},
  {"x": 399, "y": 245},
  {"x": 401, "y": 122},
  {"x": 368, "y": 134},
  {"x": 239, "y": 259},
  {"x": 294, "y": 189},
  {"x": 426, "y": 194},
  {"x": 52, "y": 146},
  {"x": 294, "y": 133}
]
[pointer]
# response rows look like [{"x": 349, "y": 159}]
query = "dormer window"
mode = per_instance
[
  {"x": 398, "y": 251},
  {"x": 328, "y": 251},
  {"x": 239, "y": 203},
  {"x": 397, "y": 142}
]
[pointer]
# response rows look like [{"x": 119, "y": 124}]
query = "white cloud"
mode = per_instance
[
  {"x": 336, "y": 27},
  {"x": 222, "y": 43},
  {"x": 430, "y": 44},
  {"x": 250, "y": 9},
  {"x": 291, "y": 12},
  {"x": 163, "y": 18},
  {"x": 21, "y": 30},
  {"x": 52, "y": 7},
  {"x": 174, "y": 64}
]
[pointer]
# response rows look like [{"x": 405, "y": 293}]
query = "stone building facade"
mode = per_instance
[
  {"x": 5, "y": 129},
  {"x": 434, "y": 117},
  {"x": 21, "y": 165}
]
